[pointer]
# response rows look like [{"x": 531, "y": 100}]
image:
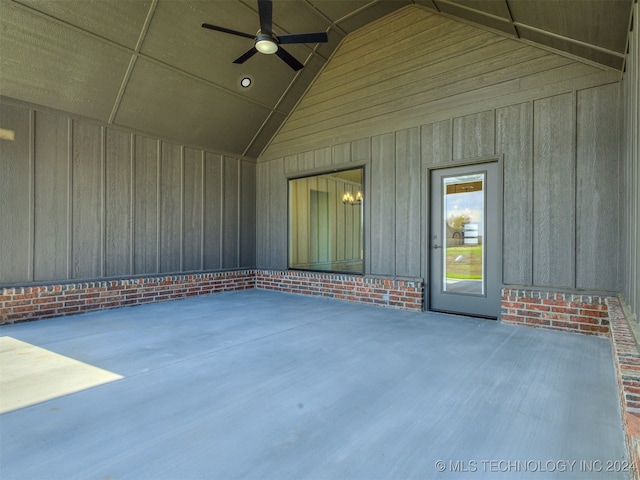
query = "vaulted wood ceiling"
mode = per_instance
[{"x": 149, "y": 66}]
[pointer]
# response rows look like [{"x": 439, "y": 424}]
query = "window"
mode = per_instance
[{"x": 325, "y": 222}]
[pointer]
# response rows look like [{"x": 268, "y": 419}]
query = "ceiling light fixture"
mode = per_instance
[
  {"x": 245, "y": 82},
  {"x": 266, "y": 44}
]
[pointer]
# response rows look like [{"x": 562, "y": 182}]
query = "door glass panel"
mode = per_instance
[{"x": 463, "y": 234}]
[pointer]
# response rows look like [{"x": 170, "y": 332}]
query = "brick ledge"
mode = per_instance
[
  {"x": 36, "y": 302},
  {"x": 571, "y": 312},
  {"x": 379, "y": 291},
  {"x": 627, "y": 363}
]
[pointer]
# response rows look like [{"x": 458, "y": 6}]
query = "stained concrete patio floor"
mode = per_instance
[{"x": 267, "y": 385}]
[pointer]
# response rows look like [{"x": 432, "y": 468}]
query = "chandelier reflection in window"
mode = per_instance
[{"x": 349, "y": 199}]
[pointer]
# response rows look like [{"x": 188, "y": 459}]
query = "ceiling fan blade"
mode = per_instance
[
  {"x": 227, "y": 30},
  {"x": 319, "y": 37},
  {"x": 243, "y": 58},
  {"x": 265, "y": 9},
  {"x": 289, "y": 60}
]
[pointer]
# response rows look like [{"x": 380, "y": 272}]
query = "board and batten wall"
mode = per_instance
[
  {"x": 631, "y": 169},
  {"x": 80, "y": 200},
  {"x": 426, "y": 91}
]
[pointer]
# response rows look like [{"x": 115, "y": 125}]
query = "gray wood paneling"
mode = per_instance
[
  {"x": 15, "y": 195},
  {"x": 459, "y": 70},
  {"x": 565, "y": 21},
  {"x": 475, "y": 95},
  {"x": 291, "y": 164},
  {"x": 84, "y": 201},
  {"x": 408, "y": 200},
  {"x": 278, "y": 215},
  {"x": 341, "y": 153},
  {"x": 514, "y": 140},
  {"x": 630, "y": 199},
  {"x": 263, "y": 211},
  {"x": 170, "y": 208},
  {"x": 440, "y": 39},
  {"x": 212, "y": 211},
  {"x": 49, "y": 62},
  {"x": 474, "y": 135},
  {"x": 554, "y": 192},
  {"x": 299, "y": 241},
  {"x": 192, "y": 254},
  {"x": 148, "y": 98},
  {"x": 539, "y": 236},
  {"x": 322, "y": 157},
  {"x": 598, "y": 220},
  {"x": 87, "y": 201},
  {"x": 361, "y": 150},
  {"x": 51, "y": 212},
  {"x": 247, "y": 214},
  {"x": 437, "y": 142},
  {"x": 381, "y": 193},
  {"x": 230, "y": 220},
  {"x": 306, "y": 161},
  {"x": 118, "y": 207},
  {"x": 146, "y": 205},
  {"x": 473, "y": 14}
]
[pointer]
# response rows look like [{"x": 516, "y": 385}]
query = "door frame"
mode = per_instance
[{"x": 426, "y": 221}]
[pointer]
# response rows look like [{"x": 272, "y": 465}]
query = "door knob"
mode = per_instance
[{"x": 437, "y": 246}]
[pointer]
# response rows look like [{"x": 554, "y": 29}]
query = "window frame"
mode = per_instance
[{"x": 322, "y": 173}]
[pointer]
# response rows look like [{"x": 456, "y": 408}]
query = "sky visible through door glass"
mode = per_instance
[{"x": 469, "y": 203}]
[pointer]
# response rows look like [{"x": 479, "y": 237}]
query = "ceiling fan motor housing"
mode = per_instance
[{"x": 266, "y": 43}]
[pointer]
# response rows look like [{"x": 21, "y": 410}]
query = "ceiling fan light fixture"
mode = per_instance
[{"x": 266, "y": 44}]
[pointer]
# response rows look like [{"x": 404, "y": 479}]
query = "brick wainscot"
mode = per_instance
[
  {"x": 46, "y": 301},
  {"x": 572, "y": 312}
]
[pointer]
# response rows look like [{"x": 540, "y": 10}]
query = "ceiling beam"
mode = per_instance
[
  {"x": 515, "y": 27},
  {"x": 132, "y": 62},
  {"x": 570, "y": 40}
]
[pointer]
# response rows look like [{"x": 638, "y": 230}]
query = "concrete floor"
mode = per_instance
[{"x": 266, "y": 385}]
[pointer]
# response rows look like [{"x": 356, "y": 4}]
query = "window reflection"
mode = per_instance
[
  {"x": 325, "y": 222},
  {"x": 463, "y": 255}
]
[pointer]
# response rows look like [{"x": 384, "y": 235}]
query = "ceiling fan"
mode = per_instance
[{"x": 266, "y": 42}]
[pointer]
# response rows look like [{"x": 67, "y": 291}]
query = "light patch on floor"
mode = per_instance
[{"x": 30, "y": 375}]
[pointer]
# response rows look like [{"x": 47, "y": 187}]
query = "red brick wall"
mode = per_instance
[
  {"x": 571, "y": 312},
  {"x": 586, "y": 314},
  {"x": 404, "y": 294},
  {"x": 37, "y": 302},
  {"x": 627, "y": 362}
]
